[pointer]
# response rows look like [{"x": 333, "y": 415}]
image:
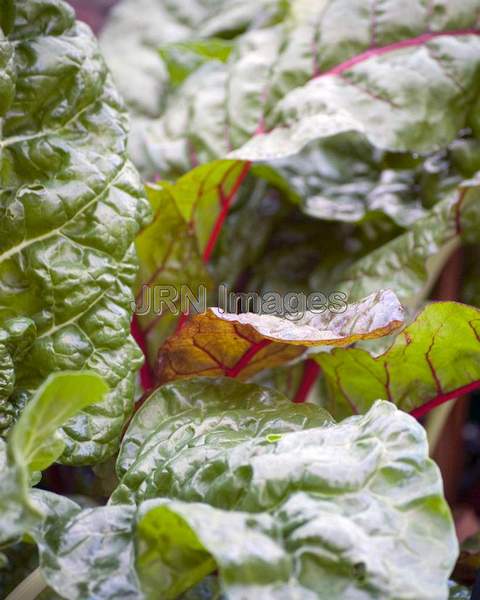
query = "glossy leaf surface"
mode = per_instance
[
  {"x": 435, "y": 357},
  {"x": 70, "y": 207},
  {"x": 240, "y": 345},
  {"x": 276, "y": 497},
  {"x": 35, "y": 444}
]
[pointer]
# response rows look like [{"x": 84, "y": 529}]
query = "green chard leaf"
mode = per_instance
[
  {"x": 70, "y": 207},
  {"x": 141, "y": 35},
  {"x": 433, "y": 359},
  {"x": 263, "y": 554},
  {"x": 411, "y": 263},
  {"x": 344, "y": 178},
  {"x": 201, "y": 403},
  {"x": 87, "y": 553},
  {"x": 308, "y": 77},
  {"x": 282, "y": 502},
  {"x": 34, "y": 444}
]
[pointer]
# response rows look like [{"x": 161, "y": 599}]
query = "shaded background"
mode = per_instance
[{"x": 93, "y": 12}]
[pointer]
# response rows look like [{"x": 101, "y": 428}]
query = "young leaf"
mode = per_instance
[
  {"x": 70, "y": 206},
  {"x": 218, "y": 343},
  {"x": 435, "y": 358},
  {"x": 34, "y": 441},
  {"x": 34, "y": 444}
]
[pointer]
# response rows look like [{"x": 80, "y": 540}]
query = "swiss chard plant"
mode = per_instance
[{"x": 221, "y": 320}]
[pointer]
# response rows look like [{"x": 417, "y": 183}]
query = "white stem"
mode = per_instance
[{"x": 29, "y": 588}]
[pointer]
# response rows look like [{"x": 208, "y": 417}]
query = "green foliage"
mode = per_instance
[
  {"x": 228, "y": 476},
  {"x": 34, "y": 444},
  {"x": 70, "y": 206},
  {"x": 290, "y": 146},
  {"x": 34, "y": 441},
  {"x": 442, "y": 337}
]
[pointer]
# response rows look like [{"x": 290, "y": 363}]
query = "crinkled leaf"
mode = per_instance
[
  {"x": 88, "y": 553},
  {"x": 253, "y": 505},
  {"x": 344, "y": 178},
  {"x": 91, "y": 553},
  {"x": 16, "y": 338},
  {"x": 437, "y": 356},
  {"x": 176, "y": 410},
  {"x": 240, "y": 345},
  {"x": 70, "y": 206},
  {"x": 406, "y": 82},
  {"x": 277, "y": 498},
  {"x": 138, "y": 29},
  {"x": 410, "y": 264}
]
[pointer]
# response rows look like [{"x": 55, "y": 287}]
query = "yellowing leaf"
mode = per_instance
[{"x": 217, "y": 343}]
